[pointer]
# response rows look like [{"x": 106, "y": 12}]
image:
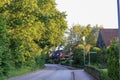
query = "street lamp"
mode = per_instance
[{"x": 84, "y": 48}]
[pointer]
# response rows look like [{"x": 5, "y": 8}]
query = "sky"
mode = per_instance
[{"x": 84, "y": 12}]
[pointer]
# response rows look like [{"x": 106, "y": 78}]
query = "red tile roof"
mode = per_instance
[{"x": 108, "y": 35}]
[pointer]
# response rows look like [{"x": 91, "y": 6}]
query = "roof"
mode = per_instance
[{"x": 108, "y": 35}]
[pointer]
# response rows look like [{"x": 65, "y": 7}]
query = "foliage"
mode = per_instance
[
  {"x": 20, "y": 71},
  {"x": 77, "y": 32},
  {"x": 93, "y": 71},
  {"x": 78, "y": 55},
  {"x": 5, "y": 54},
  {"x": 16, "y": 55},
  {"x": 96, "y": 57},
  {"x": 104, "y": 74},
  {"x": 39, "y": 61},
  {"x": 99, "y": 58},
  {"x": 35, "y": 22},
  {"x": 75, "y": 41},
  {"x": 33, "y": 26},
  {"x": 113, "y": 61},
  {"x": 64, "y": 61},
  {"x": 92, "y": 34},
  {"x": 99, "y": 74}
]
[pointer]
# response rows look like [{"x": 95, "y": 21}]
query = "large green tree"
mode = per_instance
[
  {"x": 75, "y": 38},
  {"x": 90, "y": 33},
  {"x": 34, "y": 25}
]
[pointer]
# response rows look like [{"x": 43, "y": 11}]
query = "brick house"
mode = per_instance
[{"x": 105, "y": 36}]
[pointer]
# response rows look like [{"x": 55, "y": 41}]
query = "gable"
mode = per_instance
[
  {"x": 100, "y": 43},
  {"x": 106, "y": 36}
]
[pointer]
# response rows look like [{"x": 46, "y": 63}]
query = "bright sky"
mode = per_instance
[{"x": 101, "y": 12}]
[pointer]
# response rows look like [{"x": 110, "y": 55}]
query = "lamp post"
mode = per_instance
[{"x": 84, "y": 48}]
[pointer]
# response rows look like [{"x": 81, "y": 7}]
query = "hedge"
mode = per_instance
[
  {"x": 113, "y": 61},
  {"x": 96, "y": 73}
]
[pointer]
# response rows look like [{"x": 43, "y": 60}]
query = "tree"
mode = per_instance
[
  {"x": 77, "y": 32},
  {"x": 34, "y": 25},
  {"x": 4, "y": 47},
  {"x": 93, "y": 35},
  {"x": 74, "y": 40},
  {"x": 24, "y": 29}
]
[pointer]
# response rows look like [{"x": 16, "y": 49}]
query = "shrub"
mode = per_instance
[
  {"x": 99, "y": 74},
  {"x": 100, "y": 58},
  {"x": 4, "y": 47},
  {"x": 93, "y": 71},
  {"x": 95, "y": 57},
  {"x": 16, "y": 53},
  {"x": 64, "y": 61},
  {"x": 104, "y": 74},
  {"x": 39, "y": 62},
  {"x": 113, "y": 61},
  {"x": 78, "y": 56}
]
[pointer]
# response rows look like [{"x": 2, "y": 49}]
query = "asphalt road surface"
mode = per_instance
[{"x": 55, "y": 72}]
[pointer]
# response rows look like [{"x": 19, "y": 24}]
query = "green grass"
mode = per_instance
[
  {"x": 17, "y": 72},
  {"x": 20, "y": 71}
]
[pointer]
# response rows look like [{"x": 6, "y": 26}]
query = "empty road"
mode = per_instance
[{"x": 55, "y": 72}]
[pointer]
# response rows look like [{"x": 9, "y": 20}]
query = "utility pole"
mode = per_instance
[{"x": 118, "y": 8}]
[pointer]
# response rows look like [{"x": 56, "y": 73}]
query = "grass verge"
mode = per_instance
[{"x": 20, "y": 71}]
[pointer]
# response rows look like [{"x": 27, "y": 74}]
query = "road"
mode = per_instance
[{"x": 55, "y": 72}]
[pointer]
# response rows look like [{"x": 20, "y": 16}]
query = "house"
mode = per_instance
[{"x": 105, "y": 36}]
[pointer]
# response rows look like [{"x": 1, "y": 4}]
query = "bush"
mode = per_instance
[
  {"x": 100, "y": 58},
  {"x": 99, "y": 74},
  {"x": 50, "y": 61},
  {"x": 39, "y": 62},
  {"x": 104, "y": 74},
  {"x": 93, "y": 71},
  {"x": 64, "y": 61},
  {"x": 5, "y": 53},
  {"x": 113, "y": 61},
  {"x": 16, "y": 53},
  {"x": 95, "y": 57},
  {"x": 78, "y": 56}
]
